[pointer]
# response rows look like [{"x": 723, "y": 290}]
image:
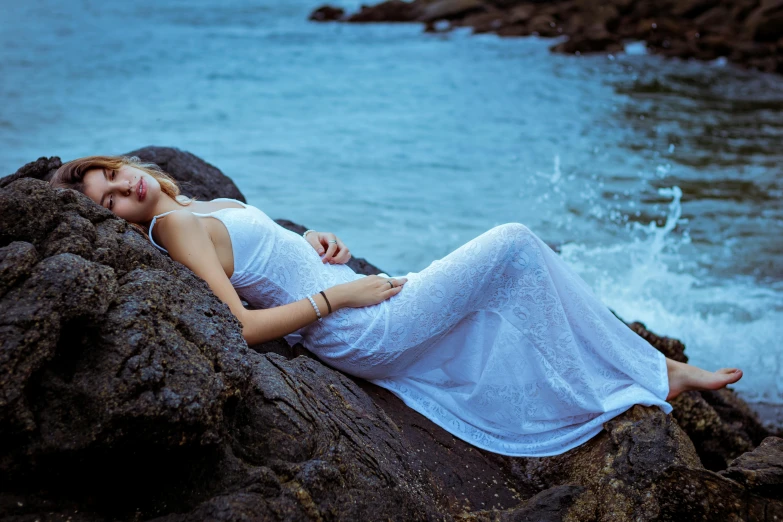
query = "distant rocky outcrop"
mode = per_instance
[
  {"x": 746, "y": 32},
  {"x": 128, "y": 393}
]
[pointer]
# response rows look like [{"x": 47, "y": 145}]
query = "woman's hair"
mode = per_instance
[{"x": 71, "y": 175}]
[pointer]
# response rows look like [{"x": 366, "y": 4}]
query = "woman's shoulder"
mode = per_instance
[{"x": 180, "y": 222}]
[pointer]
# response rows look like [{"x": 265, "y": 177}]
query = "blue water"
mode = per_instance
[{"x": 660, "y": 178}]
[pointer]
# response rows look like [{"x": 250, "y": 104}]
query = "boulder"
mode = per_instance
[
  {"x": 449, "y": 9},
  {"x": 765, "y": 24},
  {"x": 761, "y": 470},
  {"x": 327, "y": 14},
  {"x": 388, "y": 11}
]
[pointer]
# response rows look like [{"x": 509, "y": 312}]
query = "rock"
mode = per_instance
[
  {"x": 388, "y": 11},
  {"x": 761, "y": 470},
  {"x": 765, "y": 24},
  {"x": 484, "y": 22},
  {"x": 327, "y": 14},
  {"x": 543, "y": 25},
  {"x": 449, "y": 9},
  {"x": 42, "y": 168},
  {"x": 701, "y": 29},
  {"x": 597, "y": 41},
  {"x": 693, "y": 8},
  {"x": 521, "y": 13},
  {"x": 715, "y": 45},
  {"x": 712, "y": 19}
]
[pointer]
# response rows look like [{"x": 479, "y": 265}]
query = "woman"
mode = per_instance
[{"x": 499, "y": 342}]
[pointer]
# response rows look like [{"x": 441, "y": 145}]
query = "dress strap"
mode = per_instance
[
  {"x": 231, "y": 199},
  {"x": 152, "y": 224}
]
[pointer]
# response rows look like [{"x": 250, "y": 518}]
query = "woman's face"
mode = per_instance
[{"x": 128, "y": 192}]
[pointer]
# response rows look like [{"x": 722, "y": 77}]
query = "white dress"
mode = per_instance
[{"x": 500, "y": 343}]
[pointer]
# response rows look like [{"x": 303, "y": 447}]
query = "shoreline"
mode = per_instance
[{"x": 748, "y": 33}]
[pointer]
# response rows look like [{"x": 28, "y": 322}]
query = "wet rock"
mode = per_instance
[
  {"x": 389, "y": 11},
  {"x": 597, "y": 41},
  {"x": 761, "y": 470},
  {"x": 448, "y": 9},
  {"x": 765, "y": 24},
  {"x": 327, "y": 14},
  {"x": 693, "y": 8},
  {"x": 701, "y": 29}
]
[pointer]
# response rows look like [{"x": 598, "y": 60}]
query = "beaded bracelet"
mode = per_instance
[{"x": 315, "y": 306}]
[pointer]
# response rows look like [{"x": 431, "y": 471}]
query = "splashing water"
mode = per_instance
[{"x": 722, "y": 323}]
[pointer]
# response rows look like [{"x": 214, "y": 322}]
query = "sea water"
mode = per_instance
[{"x": 659, "y": 179}]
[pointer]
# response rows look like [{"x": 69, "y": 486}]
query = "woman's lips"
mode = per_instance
[{"x": 142, "y": 190}]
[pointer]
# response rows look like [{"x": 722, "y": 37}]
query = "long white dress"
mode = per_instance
[{"x": 500, "y": 343}]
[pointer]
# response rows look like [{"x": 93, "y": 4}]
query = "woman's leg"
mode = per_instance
[{"x": 685, "y": 377}]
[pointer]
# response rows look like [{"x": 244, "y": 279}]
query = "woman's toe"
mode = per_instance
[{"x": 730, "y": 374}]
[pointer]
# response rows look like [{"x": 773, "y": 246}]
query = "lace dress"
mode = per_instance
[{"x": 500, "y": 343}]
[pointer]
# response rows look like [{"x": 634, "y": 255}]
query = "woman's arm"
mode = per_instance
[{"x": 188, "y": 242}]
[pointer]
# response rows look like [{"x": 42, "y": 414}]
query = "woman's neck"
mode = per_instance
[{"x": 164, "y": 204}]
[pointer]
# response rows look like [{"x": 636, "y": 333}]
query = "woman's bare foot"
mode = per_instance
[{"x": 685, "y": 377}]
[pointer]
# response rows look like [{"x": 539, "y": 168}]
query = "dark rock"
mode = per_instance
[
  {"x": 589, "y": 43},
  {"x": 765, "y": 24},
  {"x": 693, "y": 8},
  {"x": 718, "y": 16},
  {"x": 761, "y": 470},
  {"x": 327, "y": 14},
  {"x": 698, "y": 494},
  {"x": 514, "y": 30},
  {"x": 42, "y": 168},
  {"x": 543, "y": 25},
  {"x": 388, "y": 11},
  {"x": 701, "y": 29},
  {"x": 449, "y": 9},
  {"x": 715, "y": 45}
]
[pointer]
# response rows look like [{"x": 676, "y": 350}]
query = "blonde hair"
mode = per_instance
[{"x": 71, "y": 175}]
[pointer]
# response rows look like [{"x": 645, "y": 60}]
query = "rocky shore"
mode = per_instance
[
  {"x": 746, "y": 32},
  {"x": 128, "y": 393}
]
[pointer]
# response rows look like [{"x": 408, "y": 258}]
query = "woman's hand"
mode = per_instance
[
  {"x": 335, "y": 252},
  {"x": 365, "y": 291}
]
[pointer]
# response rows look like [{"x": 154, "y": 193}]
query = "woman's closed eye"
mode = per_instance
[{"x": 111, "y": 197}]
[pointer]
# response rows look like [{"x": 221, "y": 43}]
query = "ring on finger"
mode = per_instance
[
  {"x": 332, "y": 241},
  {"x": 390, "y": 282}
]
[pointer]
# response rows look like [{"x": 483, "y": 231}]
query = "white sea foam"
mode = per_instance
[{"x": 733, "y": 323}]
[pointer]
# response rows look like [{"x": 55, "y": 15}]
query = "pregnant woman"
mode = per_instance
[{"x": 500, "y": 342}]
